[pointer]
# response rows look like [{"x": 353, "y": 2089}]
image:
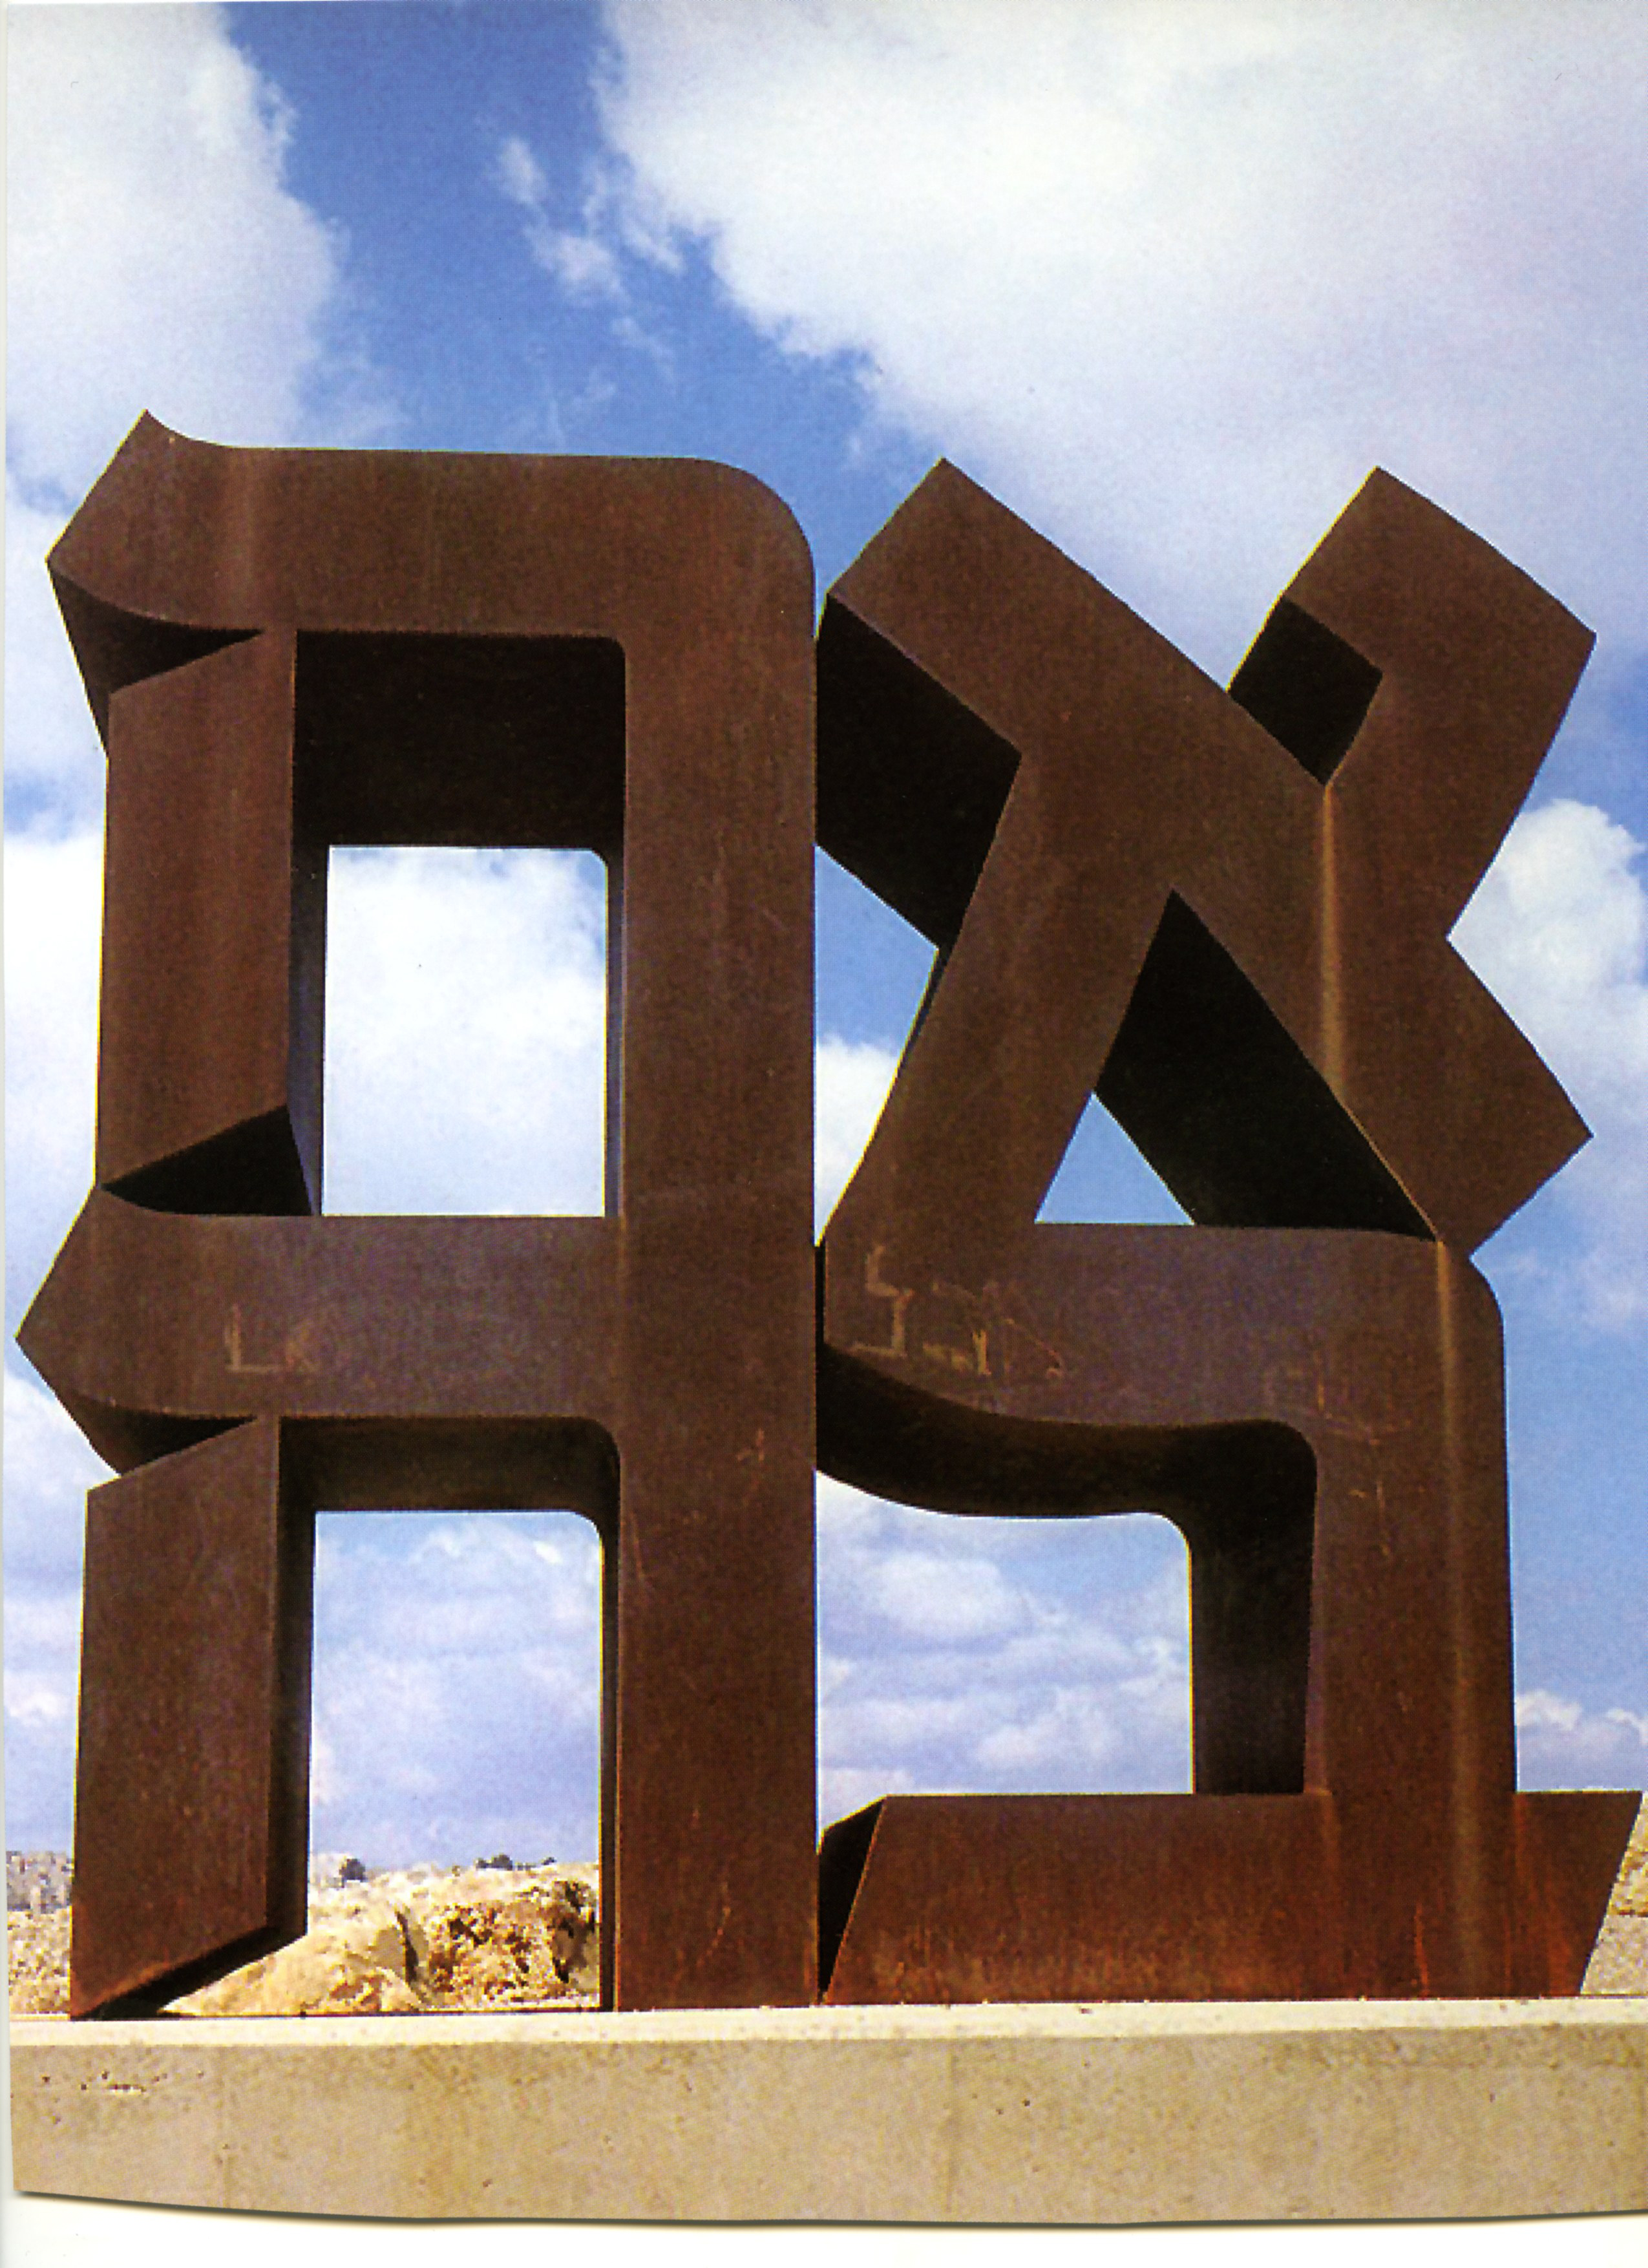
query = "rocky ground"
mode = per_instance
[
  {"x": 425, "y": 1941},
  {"x": 1620, "y": 1963},
  {"x": 495, "y": 1936},
  {"x": 37, "y": 1963}
]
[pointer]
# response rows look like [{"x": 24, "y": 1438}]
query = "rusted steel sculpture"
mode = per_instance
[
  {"x": 1227, "y": 911},
  {"x": 288, "y": 648}
]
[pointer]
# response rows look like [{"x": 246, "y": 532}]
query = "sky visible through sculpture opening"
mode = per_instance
[
  {"x": 457, "y": 1669},
  {"x": 491, "y": 1743},
  {"x": 954, "y": 1652},
  {"x": 466, "y": 999},
  {"x": 1058, "y": 295}
]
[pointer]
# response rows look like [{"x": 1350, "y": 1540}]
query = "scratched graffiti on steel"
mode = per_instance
[{"x": 1224, "y": 911}]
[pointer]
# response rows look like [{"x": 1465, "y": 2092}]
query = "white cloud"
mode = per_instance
[
  {"x": 31, "y": 1699},
  {"x": 853, "y": 1077},
  {"x": 983, "y": 1653},
  {"x": 53, "y": 912},
  {"x": 156, "y": 259},
  {"x": 1074, "y": 1726},
  {"x": 1558, "y": 929},
  {"x": 947, "y": 1599},
  {"x": 584, "y": 260},
  {"x": 53, "y": 756},
  {"x": 1170, "y": 277},
  {"x": 1561, "y": 1743},
  {"x": 457, "y": 1695},
  {"x": 48, "y": 1469},
  {"x": 847, "y": 1515},
  {"x": 466, "y": 1055},
  {"x": 519, "y": 174},
  {"x": 579, "y": 259},
  {"x": 844, "y": 1788}
]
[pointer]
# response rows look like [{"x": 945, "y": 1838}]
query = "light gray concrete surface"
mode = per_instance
[{"x": 1336, "y": 2110}]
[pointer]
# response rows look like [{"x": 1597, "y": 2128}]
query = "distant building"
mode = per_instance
[{"x": 37, "y": 1882}]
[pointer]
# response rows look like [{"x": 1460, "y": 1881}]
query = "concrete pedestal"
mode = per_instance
[{"x": 1326, "y": 2110}]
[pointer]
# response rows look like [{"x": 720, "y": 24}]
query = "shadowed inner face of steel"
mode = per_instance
[
  {"x": 557, "y": 652},
  {"x": 1225, "y": 912}
]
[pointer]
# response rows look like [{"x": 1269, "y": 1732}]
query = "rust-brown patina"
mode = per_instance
[{"x": 1224, "y": 911}]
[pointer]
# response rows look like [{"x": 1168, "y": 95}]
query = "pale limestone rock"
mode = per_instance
[
  {"x": 1630, "y": 1894},
  {"x": 1620, "y": 1962},
  {"x": 350, "y": 1964},
  {"x": 522, "y": 1939},
  {"x": 430, "y": 1939},
  {"x": 423, "y": 1940},
  {"x": 37, "y": 1961}
]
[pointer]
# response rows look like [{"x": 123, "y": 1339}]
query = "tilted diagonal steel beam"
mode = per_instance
[
  {"x": 1227, "y": 911},
  {"x": 1224, "y": 911}
]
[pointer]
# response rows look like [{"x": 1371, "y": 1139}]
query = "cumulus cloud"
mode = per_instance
[
  {"x": 48, "y": 1469},
  {"x": 1558, "y": 930},
  {"x": 466, "y": 1039},
  {"x": 853, "y": 1078},
  {"x": 1170, "y": 277},
  {"x": 466, "y": 1032},
  {"x": 53, "y": 758},
  {"x": 1560, "y": 1743},
  {"x": 985, "y": 1654},
  {"x": 156, "y": 259},
  {"x": 54, "y": 893},
  {"x": 928, "y": 1596},
  {"x": 457, "y": 1702}
]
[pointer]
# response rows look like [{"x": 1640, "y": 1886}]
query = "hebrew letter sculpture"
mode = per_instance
[
  {"x": 1226, "y": 912},
  {"x": 288, "y": 648}
]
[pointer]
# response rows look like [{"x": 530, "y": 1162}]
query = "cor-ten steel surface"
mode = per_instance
[
  {"x": 289, "y": 649},
  {"x": 1224, "y": 911}
]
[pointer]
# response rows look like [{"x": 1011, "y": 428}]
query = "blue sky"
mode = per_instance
[{"x": 1168, "y": 280}]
